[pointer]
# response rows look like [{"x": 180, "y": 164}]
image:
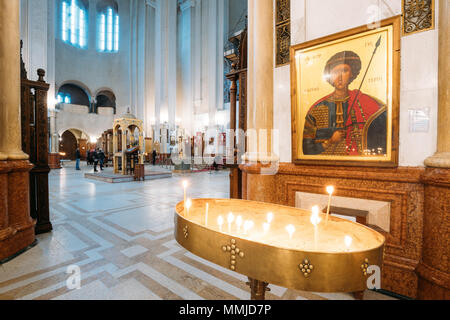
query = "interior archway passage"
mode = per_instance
[{"x": 68, "y": 146}]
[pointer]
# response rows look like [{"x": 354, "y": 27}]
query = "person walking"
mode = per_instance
[
  {"x": 77, "y": 157},
  {"x": 88, "y": 157},
  {"x": 101, "y": 158},
  {"x": 95, "y": 158},
  {"x": 154, "y": 154}
]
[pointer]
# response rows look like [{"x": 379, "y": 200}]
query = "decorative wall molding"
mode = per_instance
[
  {"x": 283, "y": 32},
  {"x": 418, "y": 16}
]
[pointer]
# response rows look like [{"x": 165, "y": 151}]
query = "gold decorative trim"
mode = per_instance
[
  {"x": 235, "y": 252},
  {"x": 186, "y": 232},
  {"x": 364, "y": 266},
  {"x": 418, "y": 16},
  {"x": 283, "y": 32},
  {"x": 306, "y": 268}
]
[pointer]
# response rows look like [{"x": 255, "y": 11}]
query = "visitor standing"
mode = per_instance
[
  {"x": 154, "y": 154},
  {"x": 101, "y": 158},
  {"x": 95, "y": 159},
  {"x": 77, "y": 157}
]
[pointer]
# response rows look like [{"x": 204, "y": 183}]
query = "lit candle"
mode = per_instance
[
  {"x": 348, "y": 242},
  {"x": 266, "y": 227},
  {"x": 269, "y": 217},
  {"x": 330, "y": 190},
  {"x": 230, "y": 220},
  {"x": 315, "y": 220},
  {"x": 206, "y": 215},
  {"x": 239, "y": 223},
  {"x": 220, "y": 222},
  {"x": 290, "y": 230},
  {"x": 188, "y": 206},
  {"x": 185, "y": 184}
]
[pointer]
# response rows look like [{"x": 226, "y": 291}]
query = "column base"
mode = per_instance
[
  {"x": 54, "y": 161},
  {"x": 19, "y": 231},
  {"x": 439, "y": 160}
]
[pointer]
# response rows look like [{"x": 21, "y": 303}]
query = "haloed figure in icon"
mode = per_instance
[{"x": 346, "y": 122}]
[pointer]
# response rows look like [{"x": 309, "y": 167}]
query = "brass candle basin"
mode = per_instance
[{"x": 296, "y": 262}]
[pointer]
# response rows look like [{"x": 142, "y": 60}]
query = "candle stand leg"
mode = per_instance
[
  {"x": 359, "y": 295},
  {"x": 258, "y": 289}
]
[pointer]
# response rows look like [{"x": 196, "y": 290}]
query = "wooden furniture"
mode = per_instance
[
  {"x": 34, "y": 121},
  {"x": 139, "y": 172},
  {"x": 308, "y": 259},
  {"x": 238, "y": 78}
]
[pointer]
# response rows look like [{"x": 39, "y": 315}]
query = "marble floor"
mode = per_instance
[{"x": 119, "y": 239}]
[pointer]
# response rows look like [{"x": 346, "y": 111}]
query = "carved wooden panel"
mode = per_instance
[
  {"x": 283, "y": 31},
  {"x": 418, "y": 16}
]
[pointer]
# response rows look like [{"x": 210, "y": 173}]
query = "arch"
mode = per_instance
[
  {"x": 79, "y": 84},
  {"x": 68, "y": 145},
  {"x": 105, "y": 98},
  {"x": 77, "y": 95}
]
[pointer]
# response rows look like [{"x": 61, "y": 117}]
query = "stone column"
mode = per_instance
[
  {"x": 16, "y": 225},
  {"x": 433, "y": 270},
  {"x": 442, "y": 157},
  {"x": 10, "y": 131},
  {"x": 261, "y": 163},
  {"x": 260, "y": 77}
]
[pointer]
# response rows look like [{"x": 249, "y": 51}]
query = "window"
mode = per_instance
[
  {"x": 74, "y": 23},
  {"x": 108, "y": 28},
  {"x": 64, "y": 98}
]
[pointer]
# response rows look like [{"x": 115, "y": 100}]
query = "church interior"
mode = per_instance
[{"x": 224, "y": 150}]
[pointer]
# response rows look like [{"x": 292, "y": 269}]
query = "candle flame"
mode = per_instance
[
  {"x": 348, "y": 241},
  {"x": 220, "y": 221},
  {"x": 230, "y": 218},
  {"x": 188, "y": 203},
  {"x": 330, "y": 190},
  {"x": 185, "y": 184},
  {"x": 290, "y": 229},
  {"x": 315, "y": 219},
  {"x": 269, "y": 217}
]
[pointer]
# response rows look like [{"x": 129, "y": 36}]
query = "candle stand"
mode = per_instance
[{"x": 307, "y": 259}]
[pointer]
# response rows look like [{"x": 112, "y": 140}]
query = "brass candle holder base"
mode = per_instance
[{"x": 275, "y": 257}]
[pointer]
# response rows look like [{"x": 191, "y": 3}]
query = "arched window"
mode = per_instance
[
  {"x": 74, "y": 18},
  {"x": 64, "y": 97},
  {"x": 108, "y": 26},
  {"x": 73, "y": 94}
]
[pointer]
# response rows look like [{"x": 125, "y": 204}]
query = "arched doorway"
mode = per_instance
[{"x": 68, "y": 146}]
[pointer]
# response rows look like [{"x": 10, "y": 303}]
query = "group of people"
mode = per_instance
[{"x": 94, "y": 157}]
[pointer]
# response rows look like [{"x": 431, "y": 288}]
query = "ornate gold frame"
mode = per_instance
[{"x": 395, "y": 22}]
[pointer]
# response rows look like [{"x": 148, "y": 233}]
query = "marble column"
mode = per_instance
[
  {"x": 16, "y": 225},
  {"x": 433, "y": 270},
  {"x": 10, "y": 131},
  {"x": 261, "y": 163},
  {"x": 260, "y": 78},
  {"x": 187, "y": 63},
  {"x": 442, "y": 157}
]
